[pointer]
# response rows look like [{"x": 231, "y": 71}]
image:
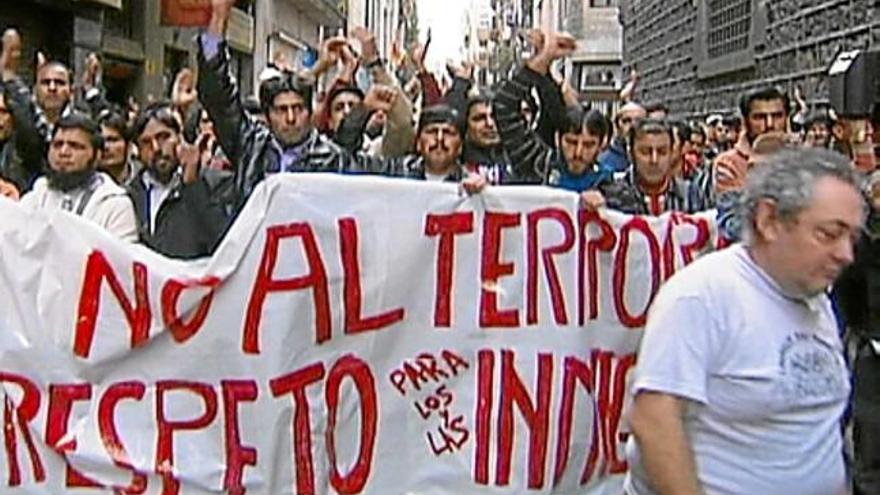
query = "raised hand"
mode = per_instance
[
  {"x": 190, "y": 158},
  {"x": 220, "y": 12},
  {"x": 367, "y": 39},
  {"x": 380, "y": 98},
  {"x": 559, "y": 45},
  {"x": 463, "y": 71},
  {"x": 331, "y": 51},
  {"x": 183, "y": 93},
  {"x": 555, "y": 46},
  {"x": 419, "y": 53},
  {"x": 10, "y": 57},
  {"x": 41, "y": 60},
  {"x": 92, "y": 76},
  {"x": 536, "y": 38}
]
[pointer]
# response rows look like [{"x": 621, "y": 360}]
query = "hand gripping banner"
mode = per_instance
[{"x": 350, "y": 335}]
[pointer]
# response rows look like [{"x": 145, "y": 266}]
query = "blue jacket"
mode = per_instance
[{"x": 615, "y": 158}]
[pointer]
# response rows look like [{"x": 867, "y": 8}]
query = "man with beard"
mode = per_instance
[
  {"x": 764, "y": 111},
  {"x": 178, "y": 205},
  {"x": 73, "y": 183},
  {"x": 579, "y": 134}
]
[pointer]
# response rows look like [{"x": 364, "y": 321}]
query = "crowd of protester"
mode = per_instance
[{"x": 174, "y": 174}]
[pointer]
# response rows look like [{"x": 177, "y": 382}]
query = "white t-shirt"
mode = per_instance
[{"x": 764, "y": 373}]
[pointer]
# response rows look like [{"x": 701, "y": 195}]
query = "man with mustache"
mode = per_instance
[
  {"x": 179, "y": 207},
  {"x": 73, "y": 183}
]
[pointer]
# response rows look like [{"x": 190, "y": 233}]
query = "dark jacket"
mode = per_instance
[
  {"x": 858, "y": 288},
  {"x": 533, "y": 161},
  {"x": 22, "y": 157},
  {"x": 623, "y": 194},
  {"x": 249, "y": 144},
  {"x": 192, "y": 219},
  {"x": 253, "y": 150}
]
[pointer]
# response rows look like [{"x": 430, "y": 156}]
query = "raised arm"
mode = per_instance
[
  {"x": 399, "y": 130},
  {"x": 531, "y": 156},
  {"x": 217, "y": 90}
]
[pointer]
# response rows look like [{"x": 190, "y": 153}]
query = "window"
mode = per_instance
[
  {"x": 120, "y": 22},
  {"x": 603, "y": 3},
  {"x": 729, "y": 26}
]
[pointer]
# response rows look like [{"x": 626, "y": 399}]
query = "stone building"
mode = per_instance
[
  {"x": 697, "y": 56},
  {"x": 140, "y": 55}
]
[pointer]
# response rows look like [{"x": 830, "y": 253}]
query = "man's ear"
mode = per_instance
[{"x": 767, "y": 220}]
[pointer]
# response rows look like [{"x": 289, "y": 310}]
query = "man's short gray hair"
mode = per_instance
[{"x": 789, "y": 178}]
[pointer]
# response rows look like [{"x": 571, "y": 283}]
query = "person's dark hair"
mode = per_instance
[
  {"x": 650, "y": 126},
  {"x": 696, "y": 129},
  {"x": 577, "y": 118},
  {"x": 285, "y": 82},
  {"x": 60, "y": 65},
  {"x": 656, "y": 107},
  {"x": 114, "y": 119},
  {"x": 252, "y": 106},
  {"x": 818, "y": 118},
  {"x": 732, "y": 121},
  {"x": 83, "y": 122},
  {"x": 681, "y": 130},
  {"x": 161, "y": 111},
  {"x": 762, "y": 94},
  {"x": 485, "y": 97}
]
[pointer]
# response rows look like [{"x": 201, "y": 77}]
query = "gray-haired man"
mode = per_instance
[{"x": 741, "y": 381}]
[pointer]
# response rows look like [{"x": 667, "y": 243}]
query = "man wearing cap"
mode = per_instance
[{"x": 439, "y": 141}]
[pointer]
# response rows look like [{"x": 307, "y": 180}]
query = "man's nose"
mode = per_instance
[{"x": 844, "y": 250}]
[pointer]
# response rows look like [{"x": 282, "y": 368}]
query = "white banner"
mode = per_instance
[{"x": 351, "y": 335}]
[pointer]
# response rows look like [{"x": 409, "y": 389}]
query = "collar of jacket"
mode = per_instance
[{"x": 174, "y": 186}]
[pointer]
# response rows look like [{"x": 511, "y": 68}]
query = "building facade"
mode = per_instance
[
  {"x": 596, "y": 68},
  {"x": 293, "y": 30},
  {"x": 140, "y": 55},
  {"x": 389, "y": 20},
  {"x": 698, "y": 56}
]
